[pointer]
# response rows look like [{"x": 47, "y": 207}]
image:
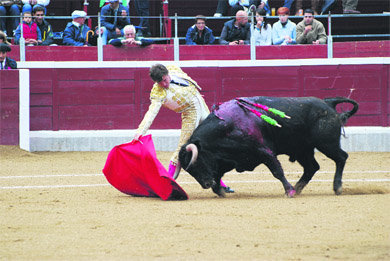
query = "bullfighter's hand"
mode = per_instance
[{"x": 137, "y": 136}]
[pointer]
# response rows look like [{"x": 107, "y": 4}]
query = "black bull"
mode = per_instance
[{"x": 233, "y": 137}]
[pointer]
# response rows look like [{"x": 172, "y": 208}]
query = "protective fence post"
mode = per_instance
[
  {"x": 330, "y": 39},
  {"x": 99, "y": 41},
  {"x": 22, "y": 42},
  {"x": 176, "y": 42},
  {"x": 252, "y": 42}
]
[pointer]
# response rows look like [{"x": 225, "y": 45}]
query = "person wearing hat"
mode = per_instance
[
  {"x": 284, "y": 31},
  {"x": 6, "y": 63},
  {"x": 75, "y": 33},
  {"x": 114, "y": 17}
]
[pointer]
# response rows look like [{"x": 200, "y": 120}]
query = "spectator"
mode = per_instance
[
  {"x": 13, "y": 9},
  {"x": 114, "y": 17},
  {"x": 175, "y": 90},
  {"x": 236, "y": 31},
  {"x": 310, "y": 30},
  {"x": 130, "y": 38},
  {"x": 349, "y": 7},
  {"x": 199, "y": 33},
  {"x": 43, "y": 25},
  {"x": 3, "y": 38},
  {"x": 263, "y": 30},
  {"x": 142, "y": 10},
  {"x": 223, "y": 6},
  {"x": 284, "y": 31},
  {"x": 327, "y": 4},
  {"x": 76, "y": 31},
  {"x": 31, "y": 32},
  {"x": 6, "y": 63},
  {"x": 28, "y": 5}
]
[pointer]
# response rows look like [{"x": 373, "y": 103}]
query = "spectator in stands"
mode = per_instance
[
  {"x": 284, "y": 31},
  {"x": 31, "y": 32},
  {"x": 327, "y": 4},
  {"x": 199, "y": 33},
  {"x": 3, "y": 38},
  {"x": 12, "y": 8},
  {"x": 75, "y": 33},
  {"x": 223, "y": 6},
  {"x": 349, "y": 7},
  {"x": 263, "y": 30},
  {"x": 130, "y": 38},
  {"x": 44, "y": 26},
  {"x": 6, "y": 63},
  {"x": 236, "y": 31},
  {"x": 28, "y": 5},
  {"x": 142, "y": 10},
  {"x": 310, "y": 30},
  {"x": 175, "y": 90},
  {"x": 114, "y": 17}
]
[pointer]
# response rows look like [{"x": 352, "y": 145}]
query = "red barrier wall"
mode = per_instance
[
  {"x": 117, "y": 98},
  {"x": 9, "y": 107},
  {"x": 208, "y": 52}
]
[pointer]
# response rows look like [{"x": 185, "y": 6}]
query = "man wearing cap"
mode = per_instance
[
  {"x": 75, "y": 33},
  {"x": 284, "y": 31},
  {"x": 113, "y": 19},
  {"x": 6, "y": 63}
]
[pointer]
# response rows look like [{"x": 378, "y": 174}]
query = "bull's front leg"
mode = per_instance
[{"x": 275, "y": 167}]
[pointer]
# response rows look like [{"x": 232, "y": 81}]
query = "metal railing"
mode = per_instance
[{"x": 176, "y": 38}]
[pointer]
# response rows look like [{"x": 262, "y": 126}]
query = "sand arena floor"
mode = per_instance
[{"x": 58, "y": 206}]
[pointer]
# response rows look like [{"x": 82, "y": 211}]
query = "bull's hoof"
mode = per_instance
[
  {"x": 228, "y": 190},
  {"x": 299, "y": 187},
  {"x": 338, "y": 191},
  {"x": 222, "y": 192},
  {"x": 291, "y": 193}
]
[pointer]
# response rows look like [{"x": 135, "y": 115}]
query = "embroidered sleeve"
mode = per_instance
[{"x": 157, "y": 98}]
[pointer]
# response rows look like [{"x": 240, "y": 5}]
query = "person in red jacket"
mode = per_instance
[{"x": 31, "y": 31}]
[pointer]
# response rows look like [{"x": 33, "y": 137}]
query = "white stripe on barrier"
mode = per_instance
[{"x": 189, "y": 182}]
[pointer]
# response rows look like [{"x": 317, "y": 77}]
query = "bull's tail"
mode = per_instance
[{"x": 344, "y": 116}]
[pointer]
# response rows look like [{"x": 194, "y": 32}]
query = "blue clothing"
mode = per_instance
[
  {"x": 13, "y": 10},
  {"x": 74, "y": 35},
  {"x": 18, "y": 33},
  {"x": 279, "y": 32},
  {"x": 108, "y": 20},
  {"x": 118, "y": 41},
  {"x": 193, "y": 38}
]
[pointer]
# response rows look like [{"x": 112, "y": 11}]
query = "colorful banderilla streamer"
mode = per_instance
[{"x": 266, "y": 118}]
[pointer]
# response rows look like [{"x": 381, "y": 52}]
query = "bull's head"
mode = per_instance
[{"x": 198, "y": 163}]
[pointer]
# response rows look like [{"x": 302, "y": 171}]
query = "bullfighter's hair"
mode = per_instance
[{"x": 157, "y": 71}]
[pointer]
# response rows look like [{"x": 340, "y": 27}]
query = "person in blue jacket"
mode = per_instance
[
  {"x": 199, "y": 33},
  {"x": 75, "y": 33},
  {"x": 114, "y": 18}
]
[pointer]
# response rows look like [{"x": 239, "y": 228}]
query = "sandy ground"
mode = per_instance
[{"x": 58, "y": 206}]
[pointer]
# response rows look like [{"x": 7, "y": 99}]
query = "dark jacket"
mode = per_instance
[
  {"x": 74, "y": 35},
  {"x": 231, "y": 33},
  {"x": 46, "y": 33},
  {"x": 192, "y": 37},
  {"x": 10, "y": 64},
  {"x": 108, "y": 21}
]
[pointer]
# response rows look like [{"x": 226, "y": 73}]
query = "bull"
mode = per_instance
[{"x": 233, "y": 137}]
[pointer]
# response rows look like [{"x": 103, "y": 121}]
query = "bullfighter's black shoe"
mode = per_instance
[{"x": 228, "y": 190}]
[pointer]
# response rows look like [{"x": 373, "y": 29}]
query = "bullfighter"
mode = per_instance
[{"x": 175, "y": 90}]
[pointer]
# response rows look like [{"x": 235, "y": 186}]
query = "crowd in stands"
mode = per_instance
[{"x": 117, "y": 30}]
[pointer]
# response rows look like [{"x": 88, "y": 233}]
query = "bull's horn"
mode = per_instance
[
  {"x": 192, "y": 147},
  {"x": 177, "y": 171}
]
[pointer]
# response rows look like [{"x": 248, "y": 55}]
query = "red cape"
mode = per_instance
[{"x": 133, "y": 168}]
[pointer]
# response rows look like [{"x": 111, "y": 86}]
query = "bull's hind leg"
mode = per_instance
[
  {"x": 310, "y": 167},
  {"x": 274, "y": 166},
  {"x": 334, "y": 152}
]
